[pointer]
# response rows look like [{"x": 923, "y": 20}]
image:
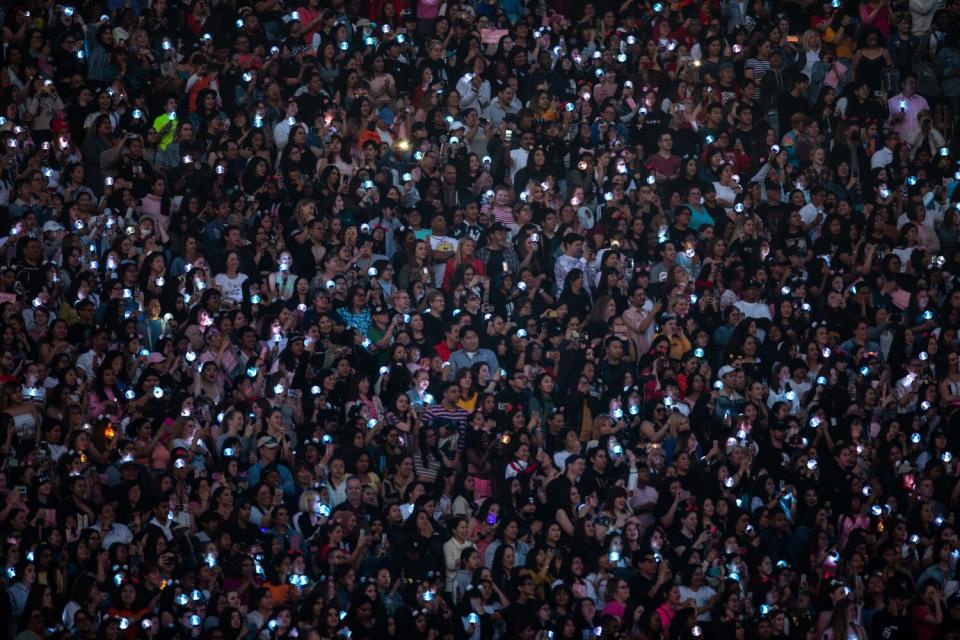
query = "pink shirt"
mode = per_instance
[
  {"x": 427, "y": 9},
  {"x": 503, "y": 215},
  {"x": 96, "y": 406},
  {"x": 152, "y": 207},
  {"x": 913, "y": 106},
  {"x": 666, "y": 616},
  {"x": 881, "y": 22},
  {"x": 615, "y": 609}
]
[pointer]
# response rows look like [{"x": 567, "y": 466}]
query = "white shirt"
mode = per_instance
[
  {"x": 932, "y": 219},
  {"x": 441, "y": 243},
  {"x": 165, "y": 527},
  {"x": 560, "y": 458},
  {"x": 701, "y": 597},
  {"x": 117, "y": 533},
  {"x": 810, "y": 58},
  {"x": 904, "y": 255},
  {"x": 881, "y": 158},
  {"x": 231, "y": 288},
  {"x": 808, "y": 213},
  {"x": 338, "y": 495},
  {"x": 725, "y": 193},
  {"x": 519, "y": 157},
  {"x": 473, "y": 99},
  {"x": 756, "y": 310},
  {"x": 90, "y": 361}
]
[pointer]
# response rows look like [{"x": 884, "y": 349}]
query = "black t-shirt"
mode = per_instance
[
  {"x": 774, "y": 217},
  {"x": 612, "y": 375},
  {"x": 309, "y": 104},
  {"x": 594, "y": 481},
  {"x": 772, "y": 459},
  {"x": 79, "y": 333},
  {"x": 684, "y": 142},
  {"x": 680, "y": 539},
  {"x": 654, "y": 123},
  {"x": 640, "y": 586},
  {"x": 887, "y": 626},
  {"x": 433, "y": 328},
  {"x": 787, "y": 105},
  {"x": 789, "y": 240},
  {"x": 752, "y": 141}
]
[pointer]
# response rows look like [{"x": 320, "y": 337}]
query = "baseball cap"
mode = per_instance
[
  {"x": 267, "y": 441},
  {"x": 726, "y": 370}
]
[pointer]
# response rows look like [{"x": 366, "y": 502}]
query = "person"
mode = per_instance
[
  {"x": 884, "y": 155},
  {"x": 540, "y": 320},
  {"x": 793, "y": 101},
  {"x": 571, "y": 258},
  {"x": 906, "y": 107},
  {"x": 470, "y": 353},
  {"x": 892, "y": 621}
]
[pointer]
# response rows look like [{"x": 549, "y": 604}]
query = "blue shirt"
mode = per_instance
[{"x": 286, "y": 478}]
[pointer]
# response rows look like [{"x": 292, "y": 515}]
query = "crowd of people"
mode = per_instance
[{"x": 481, "y": 320}]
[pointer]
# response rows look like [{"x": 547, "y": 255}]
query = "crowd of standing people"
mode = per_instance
[{"x": 480, "y": 319}]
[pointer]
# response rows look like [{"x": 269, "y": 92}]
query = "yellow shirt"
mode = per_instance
[
  {"x": 468, "y": 404},
  {"x": 844, "y": 47},
  {"x": 679, "y": 345},
  {"x": 159, "y": 123}
]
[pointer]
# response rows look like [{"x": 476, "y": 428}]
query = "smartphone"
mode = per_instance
[
  {"x": 793, "y": 39},
  {"x": 508, "y": 135}
]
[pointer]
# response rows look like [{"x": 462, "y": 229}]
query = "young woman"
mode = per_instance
[{"x": 230, "y": 281}]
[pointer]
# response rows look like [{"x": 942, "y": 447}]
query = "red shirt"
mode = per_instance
[
  {"x": 443, "y": 351},
  {"x": 667, "y": 166},
  {"x": 924, "y": 629}
]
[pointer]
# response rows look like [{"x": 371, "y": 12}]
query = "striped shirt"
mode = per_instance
[
  {"x": 760, "y": 68},
  {"x": 436, "y": 416}
]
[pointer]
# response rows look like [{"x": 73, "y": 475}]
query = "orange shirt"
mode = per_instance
[{"x": 281, "y": 593}]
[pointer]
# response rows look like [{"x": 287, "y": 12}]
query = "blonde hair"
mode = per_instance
[
  {"x": 673, "y": 422},
  {"x": 303, "y": 504}
]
